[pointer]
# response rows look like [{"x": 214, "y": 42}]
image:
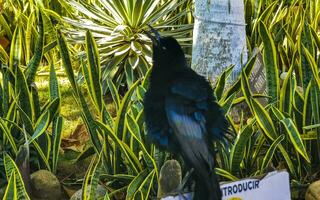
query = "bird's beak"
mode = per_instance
[{"x": 156, "y": 37}]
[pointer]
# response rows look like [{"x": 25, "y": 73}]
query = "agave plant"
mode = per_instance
[{"x": 118, "y": 28}]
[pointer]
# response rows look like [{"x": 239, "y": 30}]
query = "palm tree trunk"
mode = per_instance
[{"x": 219, "y": 37}]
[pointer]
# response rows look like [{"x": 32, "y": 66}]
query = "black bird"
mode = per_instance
[{"x": 182, "y": 115}]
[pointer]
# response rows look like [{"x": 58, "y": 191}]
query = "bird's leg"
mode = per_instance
[{"x": 185, "y": 179}]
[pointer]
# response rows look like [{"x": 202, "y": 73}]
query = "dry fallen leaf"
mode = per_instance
[{"x": 77, "y": 140}]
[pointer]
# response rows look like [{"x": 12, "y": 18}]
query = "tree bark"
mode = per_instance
[{"x": 219, "y": 37}]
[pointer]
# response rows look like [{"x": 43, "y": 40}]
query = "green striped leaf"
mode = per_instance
[
  {"x": 6, "y": 90},
  {"x": 313, "y": 65},
  {"x": 295, "y": 138},
  {"x": 288, "y": 160},
  {"x": 29, "y": 32},
  {"x": 53, "y": 84},
  {"x": 8, "y": 136},
  {"x": 34, "y": 63},
  {"x": 53, "y": 107},
  {"x": 94, "y": 71},
  {"x": 269, "y": 155},
  {"x": 128, "y": 68},
  {"x": 286, "y": 93},
  {"x": 237, "y": 153},
  {"x": 140, "y": 185},
  {"x": 220, "y": 85},
  {"x": 246, "y": 89},
  {"x": 92, "y": 176},
  {"x": 5, "y": 26},
  {"x": 307, "y": 107},
  {"x": 132, "y": 160},
  {"x": 315, "y": 101},
  {"x": 95, "y": 175},
  {"x": 90, "y": 124},
  {"x": 225, "y": 174},
  {"x": 106, "y": 196},
  {"x": 4, "y": 57},
  {"x": 264, "y": 120},
  {"x": 35, "y": 100},
  {"x": 134, "y": 130},
  {"x": 237, "y": 85},
  {"x": 107, "y": 118},
  {"x": 305, "y": 47},
  {"x": 11, "y": 190},
  {"x": 133, "y": 126},
  {"x": 114, "y": 93},
  {"x": 18, "y": 187},
  {"x": 44, "y": 158},
  {"x": 15, "y": 49},
  {"x": 56, "y": 135},
  {"x": 23, "y": 93},
  {"x": 315, "y": 36},
  {"x": 120, "y": 120},
  {"x": 66, "y": 60},
  {"x": 227, "y": 104},
  {"x": 311, "y": 126},
  {"x": 270, "y": 61},
  {"x": 41, "y": 126},
  {"x": 136, "y": 136}
]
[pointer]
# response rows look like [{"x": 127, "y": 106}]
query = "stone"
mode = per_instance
[
  {"x": 313, "y": 191},
  {"x": 100, "y": 192},
  {"x": 45, "y": 186},
  {"x": 170, "y": 178}
]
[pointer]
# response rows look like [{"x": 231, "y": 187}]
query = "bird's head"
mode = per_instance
[{"x": 167, "y": 52}]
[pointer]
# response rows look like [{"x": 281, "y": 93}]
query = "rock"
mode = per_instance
[
  {"x": 100, "y": 192},
  {"x": 170, "y": 177},
  {"x": 313, "y": 191},
  {"x": 45, "y": 186}
]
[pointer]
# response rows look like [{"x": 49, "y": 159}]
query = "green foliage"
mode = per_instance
[
  {"x": 269, "y": 132},
  {"x": 24, "y": 122},
  {"x": 119, "y": 141},
  {"x": 15, "y": 189},
  {"x": 118, "y": 28},
  {"x": 281, "y": 133},
  {"x": 26, "y": 15}
]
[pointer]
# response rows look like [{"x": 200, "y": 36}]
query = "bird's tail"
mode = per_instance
[{"x": 207, "y": 188}]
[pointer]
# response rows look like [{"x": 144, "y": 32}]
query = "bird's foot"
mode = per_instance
[{"x": 185, "y": 179}]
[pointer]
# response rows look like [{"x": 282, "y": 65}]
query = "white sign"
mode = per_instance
[{"x": 275, "y": 185}]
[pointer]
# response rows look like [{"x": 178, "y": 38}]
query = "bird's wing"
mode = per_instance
[
  {"x": 195, "y": 90},
  {"x": 187, "y": 112},
  {"x": 157, "y": 125},
  {"x": 189, "y": 128}
]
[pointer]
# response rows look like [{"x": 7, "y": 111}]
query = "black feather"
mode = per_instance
[{"x": 182, "y": 115}]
